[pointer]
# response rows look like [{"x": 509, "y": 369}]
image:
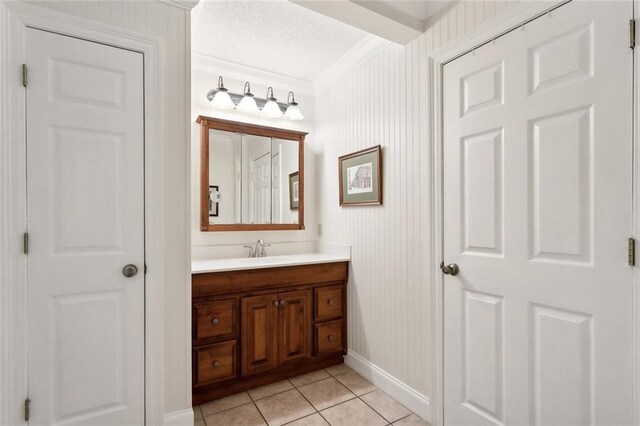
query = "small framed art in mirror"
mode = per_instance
[{"x": 251, "y": 177}]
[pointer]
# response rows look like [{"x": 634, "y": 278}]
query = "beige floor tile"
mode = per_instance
[
  {"x": 356, "y": 383},
  {"x": 225, "y": 403},
  {"x": 338, "y": 369},
  {"x": 312, "y": 420},
  {"x": 271, "y": 389},
  {"x": 352, "y": 413},
  {"x": 284, "y": 407},
  {"x": 412, "y": 420},
  {"x": 244, "y": 415},
  {"x": 386, "y": 406},
  {"x": 305, "y": 379},
  {"x": 325, "y": 393},
  {"x": 199, "y": 422},
  {"x": 197, "y": 413}
]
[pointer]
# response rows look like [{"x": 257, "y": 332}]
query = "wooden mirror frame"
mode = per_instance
[{"x": 210, "y": 123}]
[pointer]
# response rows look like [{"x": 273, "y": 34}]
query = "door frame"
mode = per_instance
[
  {"x": 15, "y": 18},
  {"x": 435, "y": 68}
]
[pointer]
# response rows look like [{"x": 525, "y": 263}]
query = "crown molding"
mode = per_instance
[
  {"x": 182, "y": 4},
  {"x": 356, "y": 56},
  {"x": 258, "y": 76}
]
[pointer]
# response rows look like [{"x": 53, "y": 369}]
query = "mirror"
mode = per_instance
[{"x": 252, "y": 178}]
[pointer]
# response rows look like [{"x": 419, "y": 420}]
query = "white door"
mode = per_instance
[
  {"x": 86, "y": 222},
  {"x": 261, "y": 189},
  {"x": 537, "y": 199}
]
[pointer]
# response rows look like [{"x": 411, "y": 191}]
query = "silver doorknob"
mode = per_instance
[
  {"x": 451, "y": 269},
  {"x": 129, "y": 271},
  {"x": 215, "y": 321}
]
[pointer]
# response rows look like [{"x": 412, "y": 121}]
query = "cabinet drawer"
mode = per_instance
[
  {"x": 217, "y": 319},
  {"x": 328, "y": 302},
  {"x": 215, "y": 362},
  {"x": 329, "y": 337}
]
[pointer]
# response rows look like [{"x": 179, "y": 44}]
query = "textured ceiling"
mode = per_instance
[
  {"x": 273, "y": 35},
  {"x": 419, "y": 9}
]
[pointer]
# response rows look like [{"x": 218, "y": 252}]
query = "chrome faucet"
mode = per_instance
[{"x": 258, "y": 250}]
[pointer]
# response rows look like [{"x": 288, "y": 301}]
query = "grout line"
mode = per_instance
[
  {"x": 259, "y": 412},
  {"x": 376, "y": 411}
]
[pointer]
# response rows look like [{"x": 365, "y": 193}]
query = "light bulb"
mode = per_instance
[
  {"x": 293, "y": 112},
  {"x": 248, "y": 104},
  {"x": 271, "y": 108}
]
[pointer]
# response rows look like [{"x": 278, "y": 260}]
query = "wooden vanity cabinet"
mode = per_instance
[{"x": 259, "y": 326}]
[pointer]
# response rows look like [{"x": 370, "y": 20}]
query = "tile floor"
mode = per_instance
[{"x": 334, "y": 396}]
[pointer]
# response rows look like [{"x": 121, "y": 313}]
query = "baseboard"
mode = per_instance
[
  {"x": 179, "y": 418},
  {"x": 407, "y": 396}
]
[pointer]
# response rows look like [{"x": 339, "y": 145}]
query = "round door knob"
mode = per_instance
[
  {"x": 215, "y": 321},
  {"x": 130, "y": 271},
  {"x": 330, "y": 338},
  {"x": 283, "y": 302},
  {"x": 216, "y": 364},
  {"x": 451, "y": 269},
  {"x": 329, "y": 302},
  {"x": 276, "y": 303}
]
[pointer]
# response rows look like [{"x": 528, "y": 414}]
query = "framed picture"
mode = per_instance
[
  {"x": 361, "y": 177},
  {"x": 294, "y": 191},
  {"x": 214, "y": 199}
]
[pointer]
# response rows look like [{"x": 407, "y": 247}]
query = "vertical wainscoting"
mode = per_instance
[
  {"x": 385, "y": 100},
  {"x": 171, "y": 26}
]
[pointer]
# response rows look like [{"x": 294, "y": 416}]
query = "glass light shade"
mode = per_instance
[
  {"x": 248, "y": 106},
  {"x": 271, "y": 110},
  {"x": 293, "y": 113},
  {"x": 222, "y": 100}
]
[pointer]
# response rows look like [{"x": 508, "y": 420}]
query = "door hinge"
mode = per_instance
[
  {"x": 631, "y": 252},
  {"x": 632, "y": 33},
  {"x": 25, "y": 243},
  {"x": 24, "y": 75},
  {"x": 27, "y": 403}
]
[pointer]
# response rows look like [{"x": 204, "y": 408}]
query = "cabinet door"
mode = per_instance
[
  {"x": 295, "y": 325},
  {"x": 259, "y": 318}
]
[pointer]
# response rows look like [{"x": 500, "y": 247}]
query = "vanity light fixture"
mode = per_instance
[
  {"x": 221, "y": 99},
  {"x": 293, "y": 112},
  {"x": 248, "y": 104},
  {"x": 271, "y": 108}
]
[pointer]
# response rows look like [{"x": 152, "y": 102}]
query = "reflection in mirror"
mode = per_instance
[{"x": 252, "y": 179}]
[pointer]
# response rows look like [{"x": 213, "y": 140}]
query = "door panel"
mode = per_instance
[
  {"x": 295, "y": 325},
  {"x": 537, "y": 211},
  {"x": 85, "y": 203},
  {"x": 259, "y": 319}
]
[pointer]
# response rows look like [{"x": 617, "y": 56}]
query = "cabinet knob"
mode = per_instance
[
  {"x": 330, "y": 338},
  {"x": 283, "y": 302},
  {"x": 276, "y": 303},
  {"x": 330, "y": 302},
  {"x": 215, "y": 321},
  {"x": 216, "y": 364}
]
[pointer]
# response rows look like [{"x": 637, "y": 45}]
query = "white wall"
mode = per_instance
[
  {"x": 386, "y": 101},
  {"x": 171, "y": 26},
  {"x": 201, "y": 83}
]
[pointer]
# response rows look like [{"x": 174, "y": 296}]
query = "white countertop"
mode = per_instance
[{"x": 244, "y": 263}]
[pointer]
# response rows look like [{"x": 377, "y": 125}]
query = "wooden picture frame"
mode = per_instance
[
  {"x": 211, "y": 123},
  {"x": 294, "y": 191},
  {"x": 360, "y": 177}
]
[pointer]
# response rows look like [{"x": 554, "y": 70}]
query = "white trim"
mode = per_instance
[
  {"x": 258, "y": 76},
  {"x": 436, "y": 60},
  {"x": 187, "y": 5},
  {"x": 636, "y": 226},
  {"x": 179, "y": 418},
  {"x": 407, "y": 396},
  {"x": 14, "y": 18},
  {"x": 353, "y": 58}
]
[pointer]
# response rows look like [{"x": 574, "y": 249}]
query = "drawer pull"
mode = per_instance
[
  {"x": 283, "y": 302},
  {"x": 276, "y": 303},
  {"x": 215, "y": 321},
  {"x": 330, "y": 302},
  {"x": 216, "y": 364},
  {"x": 330, "y": 338}
]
